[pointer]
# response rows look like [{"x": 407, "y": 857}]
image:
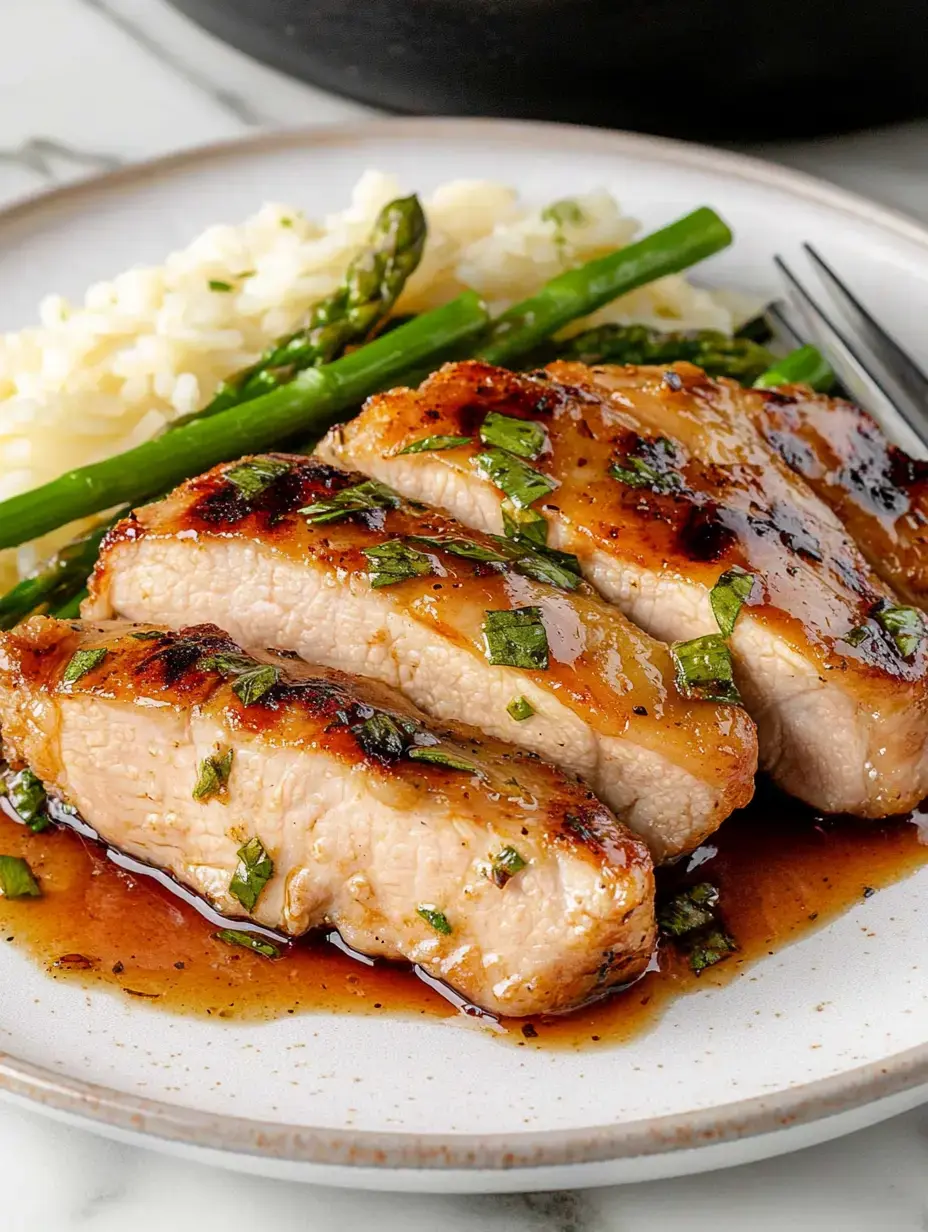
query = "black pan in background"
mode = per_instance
[{"x": 719, "y": 69}]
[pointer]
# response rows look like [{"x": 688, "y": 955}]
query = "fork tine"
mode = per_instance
[
  {"x": 778, "y": 312},
  {"x": 901, "y": 366},
  {"x": 850, "y": 361}
]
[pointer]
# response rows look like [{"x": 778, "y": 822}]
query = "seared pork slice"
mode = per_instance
[
  {"x": 663, "y": 488},
  {"x": 290, "y": 552},
  {"x": 300, "y": 797},
  {"x": 877, "y": 490}
]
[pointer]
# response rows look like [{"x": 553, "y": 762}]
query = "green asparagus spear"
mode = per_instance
[
  {"x": 56, "y": 580},
  {"x": 715, "y": 352},
  {"x": 71, "y": 608},
  {"x": 312, "y": 401},
  {"x": 371, "y": 286},
  {"x": 581, "y": 291},
  {"x": 804, "y": 366}
]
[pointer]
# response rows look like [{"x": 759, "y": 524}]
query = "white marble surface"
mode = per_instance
[{"x": 88, "y": 84}]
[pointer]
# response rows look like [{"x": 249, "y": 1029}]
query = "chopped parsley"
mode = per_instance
[
  {"x": 248, "y": 941},
  {"x": 395, "y": 561},
  {"x": 690, "y": 909},
  {"x": 250, "y": 679},
  {"x": 16, "y": 879},
  {"x": 439, "y": 755},
  {"x": 27, "y": 795},
  {"x": 690, "y": 918},
  {"x": 147, "y": 635},
  {"x": 505, "y": 864},
  {"x": 703, "y": 669},
  {"x": 213, "y": 776},
  {"x": 254, "y": 871},
  {"x": 361, "y": 498},
  {"x": 433, "y": 444},
  {"x": 710, "y": 948},
  {"x": 384, "y": 737},
  {"x": 516, "y": 638},
  {"x": 649, "y": 464},
  {"x": 458, "y": 545},
  {"x": 216, "y": 284},
  {"x": 256, "y": 475},
  {"x": 564, "y": 213},
  {"x": 559, "y": 569},
  {"x": 437, "y": 919},
  {"x": 520, "y": 709},
  {"x": 82, "y": 662},
  {"x": 904, "y": 625},
  {"x": 514, "y": 478},
  {"x": 857, "y": 635},
  {"x": 523, "y": 437},
  {"x": 524, "y": 524},
  {"x": 727, "y": 597}
]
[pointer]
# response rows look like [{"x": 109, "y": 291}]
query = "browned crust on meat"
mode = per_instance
[
  {"x": 878, "y": 491},
  {"x": 309, "y": 707}
]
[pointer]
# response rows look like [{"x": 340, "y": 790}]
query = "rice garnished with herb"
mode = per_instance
[{"x": 152, "y": 344}]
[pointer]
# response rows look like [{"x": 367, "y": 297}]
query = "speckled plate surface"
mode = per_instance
[{"x": 821, "y": 1038}]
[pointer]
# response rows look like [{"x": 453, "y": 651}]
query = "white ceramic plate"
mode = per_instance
[{"x": 822, "y": 1038}]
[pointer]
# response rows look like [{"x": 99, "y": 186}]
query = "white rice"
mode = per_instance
[{"x": 94, "y": 379}]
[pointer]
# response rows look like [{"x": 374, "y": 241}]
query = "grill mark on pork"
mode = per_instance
[
  {"x": 878, "y": 491},
  {"x": 576, "y": 918},
  {"x": 603, "y": 672},
  {"x": 655, "y": 544}
]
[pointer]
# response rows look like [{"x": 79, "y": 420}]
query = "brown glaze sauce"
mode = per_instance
[{"x": 781, "y": 873}]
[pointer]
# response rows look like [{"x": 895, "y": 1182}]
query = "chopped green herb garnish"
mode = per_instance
[
  {"x": 216, "y": 284},
  {"x": 517, "y": 638},
  {"x": 286, "y": 222},
  {"x": 505, "y": 864},
  {"x": 250, "y": 679},
  {"x": 458, "y": 545},
  {"x": 362, "y": 498},
  {"x": 213, "y": 776},
  {"x": 523, "y": 437},
  {"x": 690, "y": 909},
  {"x": 710, "y": 948},
  {"x": 395, "y": 561},
  {"x": 82, "y": 662},
  {"x": 439, "y": 755},
  {"x": 27, "y": 796},
  {"x": 437, "y": 919},
  {"x": 515, "y": 478},
  {"x": 248, "y": 941},
  {"x": 433, "y": 444},
  {"x": 255, "y": 869},
  {"x": 524, "y": 524},
  {"x": 855, "y": 636},
  {"x": 905, "y": 627},
  {"x": 559, "y": 569},
  {"x": 564, "y": 213},
  {"x": 384, "y": 737},
  {"x": 256, "y": 475},
  {"x": 520, "y": 709},
  {"x": 727, "y": 597},
  {"x": 147, "y": 635},
  {"x": 16, "y": 879},
  {"x": 704, "y": 669},
  {"x": 649, "y": 464},
  {"x": 251, "y": 686}
]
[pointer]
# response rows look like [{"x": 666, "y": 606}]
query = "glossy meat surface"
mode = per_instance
[
  {"x": 604, "y": 704},
  {"x": 325, "y": 770},
  {"x": 660, "y": 483},
  {"x": 877, "y": 490}
]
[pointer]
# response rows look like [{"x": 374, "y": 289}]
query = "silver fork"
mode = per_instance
[{"x": 870, "y": 364}]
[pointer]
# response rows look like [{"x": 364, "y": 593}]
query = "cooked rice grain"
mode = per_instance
[{"x": 152, "y": 344}]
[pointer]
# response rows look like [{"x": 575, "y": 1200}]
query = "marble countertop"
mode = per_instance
[{"x": 86, "y": 85}]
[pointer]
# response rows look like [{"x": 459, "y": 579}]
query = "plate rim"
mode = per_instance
[{"x": 730, "y": 1122}]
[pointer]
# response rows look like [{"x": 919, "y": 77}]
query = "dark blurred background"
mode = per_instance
[{"x": 715, "y": 69}]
